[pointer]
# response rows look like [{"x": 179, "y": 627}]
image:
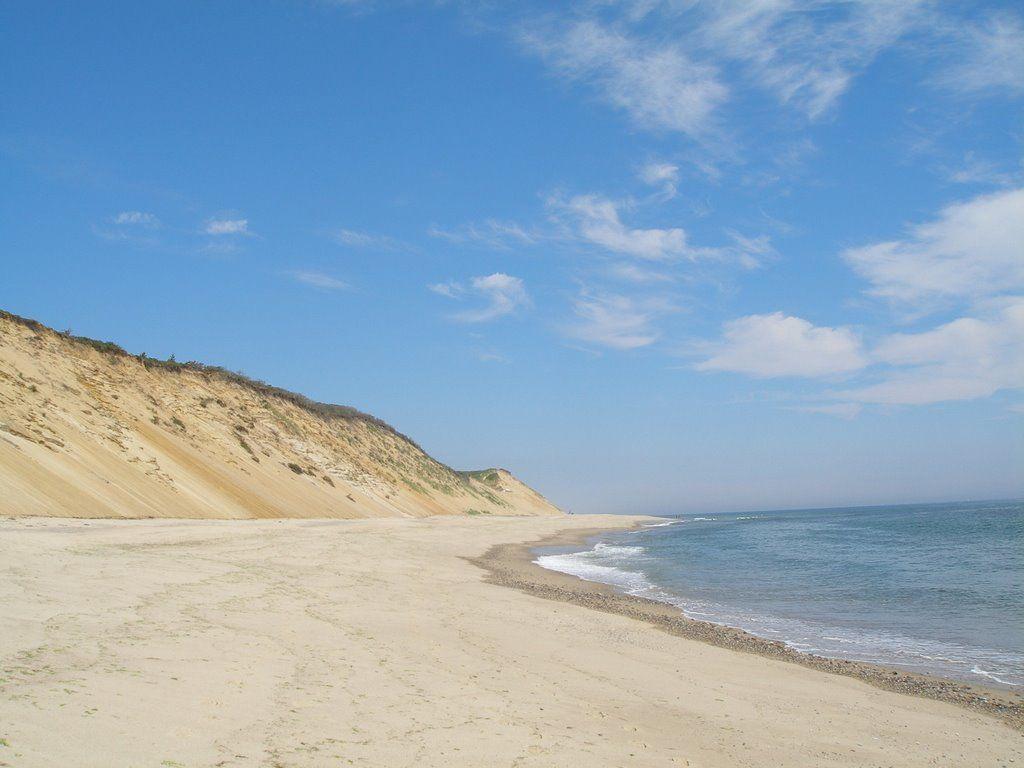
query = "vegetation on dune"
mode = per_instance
[
  {"x": 324, "y": 410},
  {"x": 489, "y": 476}
]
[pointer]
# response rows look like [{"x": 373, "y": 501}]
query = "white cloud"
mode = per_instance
[
  {"x": 451, "y": 289},
  {"x": 976, "y": 170},
  {"x": 504, "y": 294},
  {"x": 490, "y": 233},
  {"x": 972, "y": 250},
  {"x": 806, "y": 52},
  {"x": 136, "y": 218},
  {"x": 597, "y": 221},
  {"x": 658, "y": 86},
  {"x": 749, "y": 251},
  {"x": 320, "y": 280},
  {"x": 616, "y": 321},
  {"x": 227, "y": 227},
  {"x": 964, "y": 359},
  {"x": 356, "y": 239},
  {"x": 220, "y": 249},
  {"x": 662, "y": 62},
  {"x": 768, "y": 346},
  {"x": 665, "y": 176},
  {"x": 990, "y": 58}
]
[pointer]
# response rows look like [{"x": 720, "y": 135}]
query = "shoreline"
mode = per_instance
[
  {"x": 378, "y": 642},
  {"x": 512, "y": 565}
]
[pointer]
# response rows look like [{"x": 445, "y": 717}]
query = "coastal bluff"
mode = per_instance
[{"x": 89, "y": 430}]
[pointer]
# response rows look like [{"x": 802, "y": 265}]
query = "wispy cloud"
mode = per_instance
[
  {"x": 450, "y": 290},
  {"x": 136, "y": 228},
  {"x": 357, "y": 239},
  {"x": 502, "y": 295},
  {"x": 664, "y": 176},
  {"x": 988, "y": 57},
  {"x": 490, "y": 233},
  {"x": 656, "y": 85},
  {"x": 971, "y": 250},
  {"x": 640, "y": 274},
  {"x": 597, "y": 220},
  {"x": 773, "y": 345},
  {"x": 749, "y": 251},
  {"x": 227, "y": 227},
  {"x": 976, "y": 170},
  {"x": 665, "y": 64},
  {"x": 136, "y": 219},
  {"x": 319, "y": 280},
  {"x": 616, "y": 321},
  {"x": 805, "y": 52}
]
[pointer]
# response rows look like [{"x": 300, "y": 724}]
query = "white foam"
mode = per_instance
[
  {"x": 629, "y": 581},
  {"x": 979, "y": 671},
  {"x": 604, "y": 564}
]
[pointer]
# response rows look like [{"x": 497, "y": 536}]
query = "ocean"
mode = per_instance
[{"x": 932, "y": 588}]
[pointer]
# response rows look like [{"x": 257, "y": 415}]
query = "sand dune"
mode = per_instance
[
  {"x": 87, "y": 430},
  {"x": 377, "y": 643}
]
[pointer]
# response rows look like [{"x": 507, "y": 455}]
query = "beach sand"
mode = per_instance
[{"x": 381, "y": 643}]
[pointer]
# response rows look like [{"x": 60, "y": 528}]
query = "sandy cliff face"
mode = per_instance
[{"x": 93, "y": 432}]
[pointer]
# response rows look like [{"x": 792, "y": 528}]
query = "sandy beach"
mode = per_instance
[{"x": 381, "y": 643}]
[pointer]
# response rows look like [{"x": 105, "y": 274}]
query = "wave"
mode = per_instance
[
  {"x": 605, "y": 564},
  {"x": 991, "y": 676},
  {"x": 623, "y": 568}
]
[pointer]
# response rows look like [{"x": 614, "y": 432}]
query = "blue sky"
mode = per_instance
[{"x": 651, "y": 256}]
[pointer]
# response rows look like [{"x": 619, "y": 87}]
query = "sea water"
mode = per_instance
[{"x": 936, "y": 588}]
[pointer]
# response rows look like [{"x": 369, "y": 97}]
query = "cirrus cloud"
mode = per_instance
[
  {"x": 992, "y": 56},
  {"x": 657, "y": 85},
  {"x": 319, "y": 280},
  {"x": 503, "y": 294},
  {"x": 616, "y": 321},
  {"x": 664, "y": 176}
]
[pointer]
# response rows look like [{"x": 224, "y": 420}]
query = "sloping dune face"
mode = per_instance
[{"x": 87, "y": 430}]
